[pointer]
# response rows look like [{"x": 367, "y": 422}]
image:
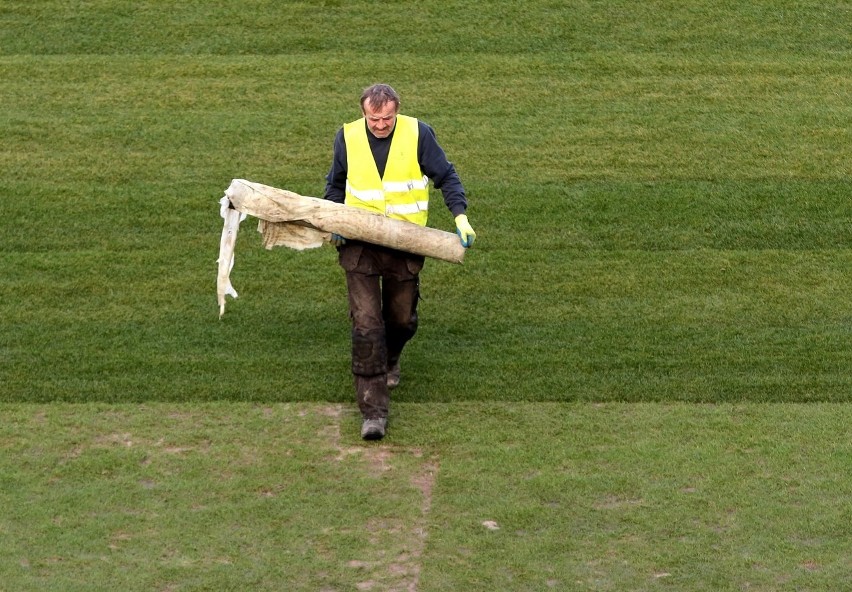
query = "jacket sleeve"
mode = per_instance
[
  {"x": 434, "y": 164},
  {"x": 335, "y": 181}
]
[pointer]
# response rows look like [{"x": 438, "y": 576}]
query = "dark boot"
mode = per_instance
[{"x": 374, "y": 429}]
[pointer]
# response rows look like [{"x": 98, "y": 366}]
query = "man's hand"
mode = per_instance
[
  {"x": 337, "y": 240},
  {"x": 464, "y": 230}
]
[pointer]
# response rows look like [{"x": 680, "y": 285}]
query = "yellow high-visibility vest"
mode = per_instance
[{"x": 403, "y": 191}]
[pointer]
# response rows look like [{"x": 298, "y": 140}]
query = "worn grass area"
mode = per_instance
[
  {"x": 232, "y": 496},
  {"x": 224, "y": 497}
]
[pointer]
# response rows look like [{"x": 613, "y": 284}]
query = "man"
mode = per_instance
[{"x": 382, "y": 163}]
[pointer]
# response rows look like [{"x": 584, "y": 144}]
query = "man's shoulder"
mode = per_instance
[
  {"x": 425, "y": 131},
  {"x": 351, "y": 125}
]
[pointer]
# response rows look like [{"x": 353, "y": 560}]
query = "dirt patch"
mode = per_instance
[
  {"x": 378, "y": 459},
  {"x": 382, "y": 568},
  {"x": 403, "y": 571},
  {"x": 331, "y": 432}
]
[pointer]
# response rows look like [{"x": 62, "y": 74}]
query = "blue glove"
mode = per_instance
[
  {"x": 464, "y": 230},
  {"x": 337, "y": 240}
]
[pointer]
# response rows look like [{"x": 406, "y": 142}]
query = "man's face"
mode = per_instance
[{"x": 380, "y": 120}]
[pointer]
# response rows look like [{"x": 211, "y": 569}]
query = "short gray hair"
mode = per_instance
[{"x": 378, "y": 95}]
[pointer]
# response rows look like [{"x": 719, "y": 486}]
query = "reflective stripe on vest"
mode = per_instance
[{"x": 403, "y": 192}]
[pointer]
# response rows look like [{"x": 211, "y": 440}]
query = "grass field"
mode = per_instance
[{"x": 638, "y": 380}]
